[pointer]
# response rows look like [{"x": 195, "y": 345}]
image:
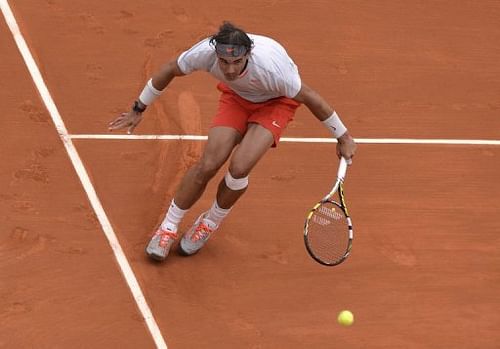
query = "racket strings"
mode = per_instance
[{"x": 328, "y": 236}]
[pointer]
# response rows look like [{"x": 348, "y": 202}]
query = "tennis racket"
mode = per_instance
[{"x": 328, "y": 230}]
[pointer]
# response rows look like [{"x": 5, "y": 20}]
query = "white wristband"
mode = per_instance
[
  {"x": 335, "y": 125},
  {"x": 149, "y": 93}
]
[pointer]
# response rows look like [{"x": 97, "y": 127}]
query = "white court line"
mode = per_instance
[
  {"x": 298, "y": 140},
  {"x": 84, "y": 178}
]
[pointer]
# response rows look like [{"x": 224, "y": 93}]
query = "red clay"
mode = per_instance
[{"x": 424, "y": 269}]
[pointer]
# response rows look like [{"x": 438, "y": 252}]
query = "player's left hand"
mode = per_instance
[
  {"x": 130, "y": 120},
  {"x": 346, "y": 147}
]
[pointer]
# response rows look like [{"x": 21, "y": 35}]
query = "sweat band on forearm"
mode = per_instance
[
  {"x": 335, "y": 125},
  {"x": 149, "y": 93}
]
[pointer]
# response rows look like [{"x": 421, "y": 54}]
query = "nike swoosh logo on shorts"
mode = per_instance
[{"x": 274, "y": 123}]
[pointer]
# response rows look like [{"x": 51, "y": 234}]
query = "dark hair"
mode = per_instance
[{"x": 229, "y": 34}]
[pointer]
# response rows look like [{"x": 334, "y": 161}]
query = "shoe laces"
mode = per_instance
[
  {"x": 166, "y": 236},
  {"x": 202, "y": 232}
]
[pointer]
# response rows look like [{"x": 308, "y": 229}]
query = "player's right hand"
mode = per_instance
[{"x": 346, "y": 147}]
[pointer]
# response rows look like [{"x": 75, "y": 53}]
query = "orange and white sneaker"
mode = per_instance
[
  {"x": 197, "y": 236},
  {"x": 160, "y": 244}
]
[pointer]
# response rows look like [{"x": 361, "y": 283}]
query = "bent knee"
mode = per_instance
[
  {"x": 206, "y": 169},
  {"x": 239, "y": 170}
]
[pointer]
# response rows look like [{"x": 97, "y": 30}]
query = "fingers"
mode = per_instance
[
  {"x": 118, "y": 119},
  {"x": 347, "y": 150},
  {"x": 119, "y": 122},
  {"x": 131, "y": 129},
  {"x": 348, "y": 159},
  {"x": 123, "y": 121}
]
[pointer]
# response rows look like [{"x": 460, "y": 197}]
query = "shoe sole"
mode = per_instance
[
  {"x": 183, "y": 253},
  {"x": 155, "y": 256}
]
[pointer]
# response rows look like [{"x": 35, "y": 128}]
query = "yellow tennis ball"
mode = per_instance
[{"x": 345, "y": 318}]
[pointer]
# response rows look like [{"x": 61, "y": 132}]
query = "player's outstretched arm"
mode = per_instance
[
  {"x": 166, "y": 74},
  {"x": 346, "y": 146},
  {"x": 151, "y": 91}
]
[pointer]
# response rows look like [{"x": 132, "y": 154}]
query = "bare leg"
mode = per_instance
[
  {"x": 254, "y": 145},
  {"x": 221, "y": 142}
]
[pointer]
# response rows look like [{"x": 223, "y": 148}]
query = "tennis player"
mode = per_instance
[{"x": 260, "y": 90}]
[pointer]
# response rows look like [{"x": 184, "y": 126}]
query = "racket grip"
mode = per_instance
[{"x": 343, "y": 168}]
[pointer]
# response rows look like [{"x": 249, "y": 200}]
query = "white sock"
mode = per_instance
[
  {"x": 173, "y": 217},
  {"x": 216, "y": 214}
]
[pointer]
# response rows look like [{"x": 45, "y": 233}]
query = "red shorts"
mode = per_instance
[{"x": 236, "y": 112}]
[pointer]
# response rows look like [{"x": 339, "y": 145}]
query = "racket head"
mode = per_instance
[{"x": 328, "y": 233}]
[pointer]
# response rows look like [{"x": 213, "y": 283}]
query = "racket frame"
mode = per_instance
[{"x": 337, "y": 187}]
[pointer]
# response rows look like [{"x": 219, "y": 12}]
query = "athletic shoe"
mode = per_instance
[
  {"x": 197, "y": 236},
  {"x": 160, "y": 244}
]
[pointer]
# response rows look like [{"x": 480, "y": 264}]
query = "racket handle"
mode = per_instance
[
  {"x": 340, "y": 177},
  {"x": 343, "y": 168}
]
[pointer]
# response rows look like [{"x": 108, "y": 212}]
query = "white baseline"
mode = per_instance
[{"x": 297, "y": 139}]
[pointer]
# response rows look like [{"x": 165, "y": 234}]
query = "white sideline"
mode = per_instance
[
  {"x": 82, "y": 174},
  {"x": 297, "y": 140}
]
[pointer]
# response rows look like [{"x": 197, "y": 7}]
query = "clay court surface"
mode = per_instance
[{"x": 425, "y": 267}]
